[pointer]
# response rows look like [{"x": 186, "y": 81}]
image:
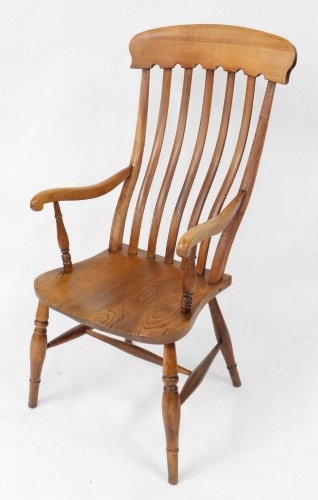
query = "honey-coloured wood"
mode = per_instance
[
  {"x": 133, "y": 293},
  {"x": 171, "y": 410},
  {"x": 233, "y": 168},
  {"x": 209, "y": 228},
  {"x": 231, "y": 47},
  {"x": 130, "y": 348},
  {"x": 165, "y": 188},
  {"x": 193, "y": 167},
  {"x": 217, "y": 155},
  {"x": 62, "y": 239},
  {"x": 72, "y": 334},
  {"x": 224, "y": 339},
  {"x": 38, "y": 352},
  {"x": 144, "y": 308},
  {"x": 198, "y": 374},
  {"x": 189, "y": 282},
  {"x": 118, "y": 224},
  {"x": 154, "y": 157},
  {"x": 247, "y": 184},
  {"x": 79, "y": 193}
]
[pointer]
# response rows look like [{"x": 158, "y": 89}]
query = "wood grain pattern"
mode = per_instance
[
  {"x": 198, "y": 374},
  {"x": 193, "y": 168},
  {"x": 171, "y": 410},
  {"x": 62, "y": 239},
  {"x": 118, "y": 224},
  {"x": 79, "y": 193},
  {"x": 213, "y": 45},
  {"x": 153, "y": 162},
  {"x": 145, "y": 307},
  {"x": 139, "y": 295},
  {"x": 72, "y": 334},
  {"x": 233, "y": 168},
  {"x": 189, "y": 282},
  {"x": 225, "y": 243},
  {"x": 173, "y": 160},
  {"x": 239, "y": 149},
  {"x": 37, "y": 352},
  {"x": 130, "y": 348},
  {"x": 209, "y": 228},
  {"x": 217, "y": 155},
  {"x": 223, "y": 337}
]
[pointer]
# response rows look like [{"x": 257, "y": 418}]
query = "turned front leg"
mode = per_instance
[
  {"x": 171, "y": 410},
  {"x": 37, "y": 352}
]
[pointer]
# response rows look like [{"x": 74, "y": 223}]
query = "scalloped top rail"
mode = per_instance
[{"x": 213, "y": 45}]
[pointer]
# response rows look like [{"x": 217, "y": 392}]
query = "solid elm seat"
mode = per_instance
[
  {"x": 129, "y": 295},
  {"x": 131, "y": 292}
]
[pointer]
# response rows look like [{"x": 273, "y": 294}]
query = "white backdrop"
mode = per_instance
[{"x": 68, "y": 109}]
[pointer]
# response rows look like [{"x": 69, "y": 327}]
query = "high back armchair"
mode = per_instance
[{"x": 136, "y": 294}]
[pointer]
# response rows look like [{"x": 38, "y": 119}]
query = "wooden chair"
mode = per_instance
[{"x": 137, "y": 294}]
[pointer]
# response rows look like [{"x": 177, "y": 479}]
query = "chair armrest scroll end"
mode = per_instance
[
  {"x": 209, "y": 228},
  {"x": 183, "y": 247},
  {"x": 36, "y": 204}
]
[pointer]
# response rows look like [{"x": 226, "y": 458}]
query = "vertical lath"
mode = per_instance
[
  {"x": 247, "y": 184},
  {"x": 218, "y": 151},
  {"x": 153, "y": 161},
  {"x": 233, "y": 168},
  {"x": 118, "y": 224},
  {"x": 226, "y": 239},
  {"x": 194, "y": 164},
  {"x": 173, "y": 160}
]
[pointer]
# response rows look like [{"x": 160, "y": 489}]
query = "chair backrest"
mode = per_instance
[{"x": 211, "y": 46}]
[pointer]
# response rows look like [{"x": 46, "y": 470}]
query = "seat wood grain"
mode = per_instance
[{"x": 127, "y": 295}]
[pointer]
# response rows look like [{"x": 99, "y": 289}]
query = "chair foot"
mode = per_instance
[
  {"x": 172, "y": 461},
  {"x": 235, "y": 377},
  {"x": 33, "y": 394},
  {"x": 37, "y": 352},
  {"x": 171, "y": 410},
  {"x": 223, "y": 336}
]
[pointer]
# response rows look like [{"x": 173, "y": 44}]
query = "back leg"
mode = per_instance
[
  {"x": 223, "y": 336},
  {"x": 37, "y": 352}
]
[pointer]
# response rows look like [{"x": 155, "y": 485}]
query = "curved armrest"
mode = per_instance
[
  {"x": 79, "y": 193},
  {"x": 209, "y": 228}
]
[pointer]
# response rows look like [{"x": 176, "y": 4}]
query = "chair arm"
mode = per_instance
[
  {"x": 209, "y": 228},
  {"x": 79, "y": 193}
]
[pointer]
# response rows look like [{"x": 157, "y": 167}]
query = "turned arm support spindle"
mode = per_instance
[
  {"x": 72, "y": 194},
  {"x": 186, "y": 247},
  {"x": 62, "y": 239},
  {"x": 188, "y": 284}
]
